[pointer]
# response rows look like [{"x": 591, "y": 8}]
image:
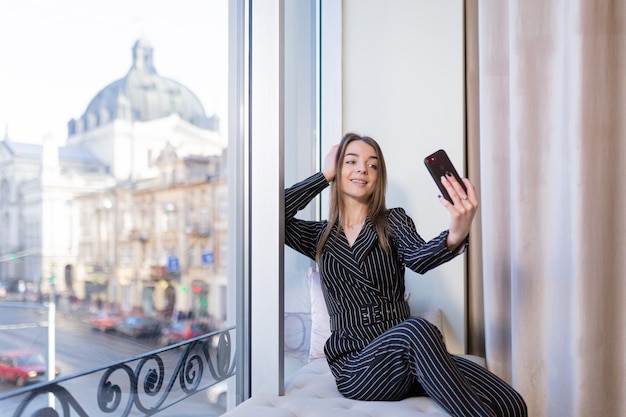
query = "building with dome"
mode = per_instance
[
  {"x": 131, "y": 120},
  {"x": 127, "y": 213}
]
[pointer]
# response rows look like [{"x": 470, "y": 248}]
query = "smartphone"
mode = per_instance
[{"x": 438, "y": 164}]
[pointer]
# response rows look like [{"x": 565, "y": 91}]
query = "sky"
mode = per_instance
[{"x": 55, "y": 56}]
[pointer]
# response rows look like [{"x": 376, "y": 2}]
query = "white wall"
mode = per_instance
[{"x": 402, "y": 78}]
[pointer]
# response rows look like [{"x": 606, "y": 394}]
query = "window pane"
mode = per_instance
[
  {"x": 113, "y": 193},
  {"x": 301, "y": 139}
]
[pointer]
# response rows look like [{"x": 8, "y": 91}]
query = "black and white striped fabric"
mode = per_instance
[{"x": 376, "y": 351}]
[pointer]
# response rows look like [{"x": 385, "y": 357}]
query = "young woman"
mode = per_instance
[{"x": 377, "y": 351}]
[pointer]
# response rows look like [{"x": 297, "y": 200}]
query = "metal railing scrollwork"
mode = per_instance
[{"x": 137, "y": 384}]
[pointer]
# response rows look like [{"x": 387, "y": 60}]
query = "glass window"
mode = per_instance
[
  {"x": 121, "y": 108},
  {"x": 191, "y": 254},
  {"x": 301, "y": 156},
  {"x": 179, "y": 53}
]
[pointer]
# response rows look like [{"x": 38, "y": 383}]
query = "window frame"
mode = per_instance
[{"x": 255, "y": 186}]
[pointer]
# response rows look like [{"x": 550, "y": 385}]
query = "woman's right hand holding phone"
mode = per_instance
[{"x": 462, "y": 210}]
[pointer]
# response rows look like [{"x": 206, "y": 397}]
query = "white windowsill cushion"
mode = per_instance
[{"x": 311, "y": 392}]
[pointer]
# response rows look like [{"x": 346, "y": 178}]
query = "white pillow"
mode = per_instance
[{"x": 320, "y": 320}]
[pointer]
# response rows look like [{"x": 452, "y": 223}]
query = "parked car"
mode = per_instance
[
  {"x": 138, "y": 326},
  {"x": 106, "y": 321},
  {"x": 183, "y": 330},
  {"x": 21, "y": 367}
]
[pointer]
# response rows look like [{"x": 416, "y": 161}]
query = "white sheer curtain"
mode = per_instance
[{"x": 547, "y": 147}]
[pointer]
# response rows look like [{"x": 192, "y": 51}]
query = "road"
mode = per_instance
[{"x": 79, "y": 348}]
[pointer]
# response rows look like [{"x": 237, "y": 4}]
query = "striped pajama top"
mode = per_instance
[{"x": 363, "y": 285}]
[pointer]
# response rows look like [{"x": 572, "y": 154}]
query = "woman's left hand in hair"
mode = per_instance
[
  {"x": 330, "y": 164},
  {"x": 461, "y": 212}
]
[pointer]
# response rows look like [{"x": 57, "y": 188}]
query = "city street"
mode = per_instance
[{"x": 79, "y": 348}]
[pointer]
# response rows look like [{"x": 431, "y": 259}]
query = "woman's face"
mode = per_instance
[{"x": 359, "y": 170}]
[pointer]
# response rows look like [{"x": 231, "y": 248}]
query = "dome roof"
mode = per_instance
[{"x": 143, "y": 95}]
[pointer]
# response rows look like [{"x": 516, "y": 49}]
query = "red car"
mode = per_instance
[
  {"x": 106, "y": 320},
  {"x": 183, "y": 330},
  {"x": 21, "y": 367}
]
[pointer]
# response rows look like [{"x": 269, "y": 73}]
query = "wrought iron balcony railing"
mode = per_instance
[{"x": 141, "y": 385}]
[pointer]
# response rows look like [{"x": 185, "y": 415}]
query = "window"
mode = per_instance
[
  {"x": 169, "y": 218},
  {"x": 284, "y": 108},
  {"x": 128, "y": 155},
  {"x": 4, "y": 193},
  {"x": 128, "y": 139},
  {"x": 191, "y": 253},
  {"x": 301, "y": 121}
]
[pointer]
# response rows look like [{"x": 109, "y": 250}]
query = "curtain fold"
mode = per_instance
[{"x": 547, "y": 118}]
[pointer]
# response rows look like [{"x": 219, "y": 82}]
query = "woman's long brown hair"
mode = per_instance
[{"x": 376, "y": 210}]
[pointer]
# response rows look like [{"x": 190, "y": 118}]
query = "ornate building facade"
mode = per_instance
[{"x": 132, "y": 210}]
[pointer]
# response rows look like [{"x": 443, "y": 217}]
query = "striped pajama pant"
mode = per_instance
[{"x": 411, "y": 359}]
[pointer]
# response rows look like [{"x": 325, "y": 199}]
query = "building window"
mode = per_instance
[
  {"x": 191, "y": 254},
  {"x": 170, "y": 217}
]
